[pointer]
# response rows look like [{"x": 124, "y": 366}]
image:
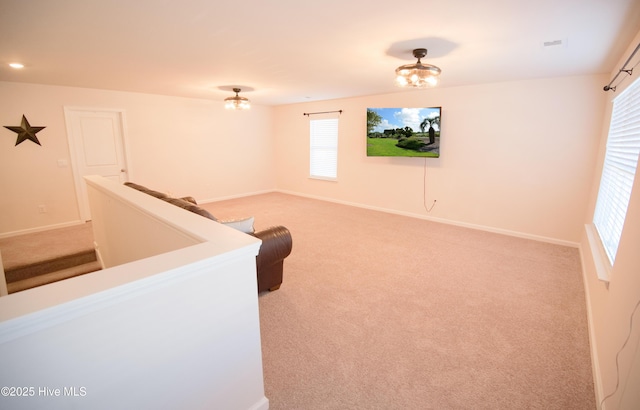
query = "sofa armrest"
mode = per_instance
[{"x": 276, "y": 245}]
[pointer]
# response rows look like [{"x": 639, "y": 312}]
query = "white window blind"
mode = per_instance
[
  {"x": 323, "y": 155},
  {"x": 619, "y": 169}
]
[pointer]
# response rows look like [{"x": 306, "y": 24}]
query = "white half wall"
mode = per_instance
[{"x": 174, "y": 330}]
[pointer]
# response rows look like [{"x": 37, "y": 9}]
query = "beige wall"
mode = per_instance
[
  {"x": 611, "y": 306},
  {"x": 178, "y": 145},
  {"x": 515, "y": 156}
]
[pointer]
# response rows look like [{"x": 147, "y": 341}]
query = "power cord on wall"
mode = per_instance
[
  {"x": 618, "y": 355},
  {"x": 424, "y": 189}
]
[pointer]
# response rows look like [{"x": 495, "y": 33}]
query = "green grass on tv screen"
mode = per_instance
[{"x": 385, "y": 147}]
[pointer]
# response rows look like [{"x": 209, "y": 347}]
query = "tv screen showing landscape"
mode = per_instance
[{"x": 403, "y": 132}]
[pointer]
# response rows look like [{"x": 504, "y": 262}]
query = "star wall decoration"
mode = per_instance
[{"x": 26, "y": 132}]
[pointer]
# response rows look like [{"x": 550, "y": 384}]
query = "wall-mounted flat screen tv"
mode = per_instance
[{"x": 403, "y": 132}]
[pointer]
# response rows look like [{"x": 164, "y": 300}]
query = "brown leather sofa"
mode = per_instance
[{"x": 276, "y": 241}]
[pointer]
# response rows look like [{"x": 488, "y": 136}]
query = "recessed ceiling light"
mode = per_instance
[{"x": 16, "y": 65}]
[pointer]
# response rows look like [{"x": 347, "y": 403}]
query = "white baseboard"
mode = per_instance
[
  {"x": 374, "y": 208},
  {"x": 595, "y": 364},
  {"x": 99, "y": 255},
  {"x": 262, "y": 404},
  {"x": 444, "y": 221},
  {"x": 224, "y": 198}
]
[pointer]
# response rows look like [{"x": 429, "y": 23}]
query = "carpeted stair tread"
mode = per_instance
[
  {"x": 36, "y": 247},
  {"x": 23, "y": 272},
  {"x": 50, "y": 277}
]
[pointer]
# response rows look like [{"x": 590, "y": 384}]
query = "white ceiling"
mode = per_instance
[{"x": 289, "y": 51}]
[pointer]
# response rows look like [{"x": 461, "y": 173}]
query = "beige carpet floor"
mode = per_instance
[{"x": 380, "y": 311}]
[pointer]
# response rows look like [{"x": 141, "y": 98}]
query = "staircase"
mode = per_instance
[{"x": 52, "y": 270}]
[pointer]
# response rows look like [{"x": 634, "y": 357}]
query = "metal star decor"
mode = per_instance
[{"x": 26, "y": 132}]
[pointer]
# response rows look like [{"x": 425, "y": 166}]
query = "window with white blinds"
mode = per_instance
[
  {"x": 323, "y": 156},
  {"x": 619, "y": 169}
]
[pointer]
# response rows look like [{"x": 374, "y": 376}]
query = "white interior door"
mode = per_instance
[{"x": 96, "y": 141}]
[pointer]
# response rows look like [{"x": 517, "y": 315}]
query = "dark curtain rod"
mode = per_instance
[
  {"x": 624, "y": 69},
  {"x": 322, "y": 112}
]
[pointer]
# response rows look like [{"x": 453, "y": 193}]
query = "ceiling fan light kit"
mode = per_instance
[
  {"x": 236, "y": 102},
  {"x": 418, "y": 75}
]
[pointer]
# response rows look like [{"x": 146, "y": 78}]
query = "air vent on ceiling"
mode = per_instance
[{"x": 555, "y": 43}]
